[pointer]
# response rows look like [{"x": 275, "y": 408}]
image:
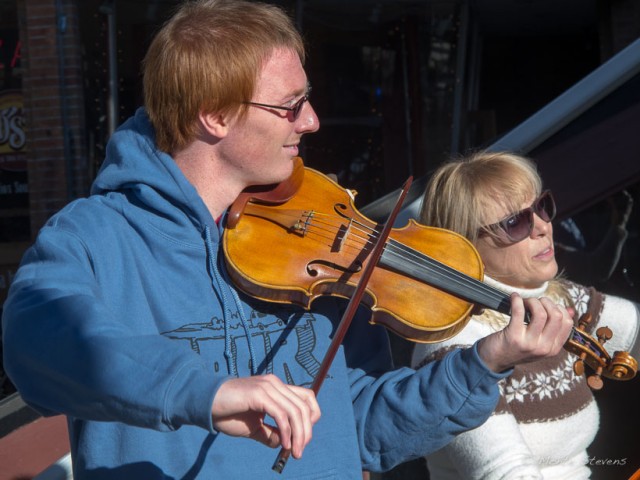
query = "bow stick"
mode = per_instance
[{"x": 350, "y": 311}]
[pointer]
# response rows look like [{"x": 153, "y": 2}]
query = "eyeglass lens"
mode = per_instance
[
  {"x": 519, "y": 226},
  {"x": 297, "y": 108},
  {"x": 545, "y": 207}
]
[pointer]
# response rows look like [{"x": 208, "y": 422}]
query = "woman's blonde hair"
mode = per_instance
[
  {"x": 462, "y": 192},
  {"x": 207, "y": 58}
]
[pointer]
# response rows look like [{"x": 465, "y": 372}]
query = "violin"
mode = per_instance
[{"x": 325, "y": 249}]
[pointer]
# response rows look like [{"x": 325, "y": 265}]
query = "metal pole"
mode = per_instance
[
  {"x": 458, "y": 88},
  {"x": 61, "y": 30},
  {"x": 109, "y": 9}
]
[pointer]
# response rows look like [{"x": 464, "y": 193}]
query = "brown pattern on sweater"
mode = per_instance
[
  {"x": 547, "y": 389},
  {"x": 544, "y": 390}
]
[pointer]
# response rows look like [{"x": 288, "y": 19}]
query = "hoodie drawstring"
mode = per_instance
[{"x": 221, "y": 280}]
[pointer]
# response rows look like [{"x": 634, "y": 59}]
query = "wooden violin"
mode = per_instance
[{"x": 426, "y": 284}]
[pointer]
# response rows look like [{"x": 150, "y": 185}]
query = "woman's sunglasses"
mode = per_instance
[{"x": 519, "y": 226}]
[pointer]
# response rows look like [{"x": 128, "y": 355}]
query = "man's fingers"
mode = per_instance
[
  {"x": 537, "y": 317},
  {"x": 241, "y": 404},
  {"x": 545, "y": 335},
  {"x": 295, "y": 410},
  {"x": 267, "y": 435},
  {"x": 549, "y": 327},
  {"x": 558, "y": 326}
]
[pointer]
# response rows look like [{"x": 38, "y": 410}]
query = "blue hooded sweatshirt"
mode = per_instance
[{"x": 121, "y": 317}]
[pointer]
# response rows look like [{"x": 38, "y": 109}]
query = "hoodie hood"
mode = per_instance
[
  {"x": 134, "y": 166},
  {"x": 150, "y": 178}
]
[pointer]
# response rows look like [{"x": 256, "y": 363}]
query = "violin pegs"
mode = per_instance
[
  {"x": 604, "y": 334},
  {"x": 578, "y": 365},
  {"x": 584, "y": 321},
  {"x": 595, "y": 381}
]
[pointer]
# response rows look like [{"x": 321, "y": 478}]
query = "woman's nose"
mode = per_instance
[{"x": 540, "y": 227}]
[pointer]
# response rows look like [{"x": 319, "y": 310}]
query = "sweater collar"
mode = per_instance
[{"x": 523, "y": 292}]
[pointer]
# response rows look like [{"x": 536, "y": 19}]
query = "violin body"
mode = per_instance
[{"x": 300, "y": 254}]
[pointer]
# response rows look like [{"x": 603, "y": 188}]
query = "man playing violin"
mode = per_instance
[{"x": 122, "y": 316}]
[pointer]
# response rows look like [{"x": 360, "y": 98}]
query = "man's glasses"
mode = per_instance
[
  {"x": 295, "y": 109},
  {"x": 519, "y": 226}
]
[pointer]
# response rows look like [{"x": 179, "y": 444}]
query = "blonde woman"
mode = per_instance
[{"x": 546, "y": 416}]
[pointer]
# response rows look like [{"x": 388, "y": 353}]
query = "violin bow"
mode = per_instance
[{"x": 351, "y": 309}]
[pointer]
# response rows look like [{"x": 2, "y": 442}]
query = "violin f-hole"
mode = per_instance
[{"x": 315, "y": 266}]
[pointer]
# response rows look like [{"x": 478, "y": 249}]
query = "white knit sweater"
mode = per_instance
[{"x": 547, "y": 416}]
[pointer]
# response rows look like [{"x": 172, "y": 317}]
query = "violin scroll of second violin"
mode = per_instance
[{"x": 622, "y": 366}]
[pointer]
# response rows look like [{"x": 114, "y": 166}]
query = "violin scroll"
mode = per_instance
[
  {"x": 623, "y": 366},
  {"x": 592, "y": 352}
]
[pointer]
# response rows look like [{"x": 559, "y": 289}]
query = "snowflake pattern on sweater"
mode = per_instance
[{"x": 549, "y": 389}]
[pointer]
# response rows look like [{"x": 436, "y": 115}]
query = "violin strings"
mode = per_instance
[
  {"x": 363, "y": 239},
  {"x": 393, "y": 247},
  {"x": 466, "y": 281},
  {"x": 431, "y": 265},
  {"x": 400, "y": 250},
  {"x": 366, "y": 235},
  {"x": 418, "y": 258}
]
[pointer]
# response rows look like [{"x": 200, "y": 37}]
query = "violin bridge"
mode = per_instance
[{"x": 341, "y": 237}]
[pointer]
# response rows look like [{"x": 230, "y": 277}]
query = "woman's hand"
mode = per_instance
[
  {"x": 241, "y": 404},
  {"x": 544, "y": 336}
]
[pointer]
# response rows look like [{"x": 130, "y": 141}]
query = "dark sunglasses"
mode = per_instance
[
  {"x": 295, "y": 109},
  {"x": 519, "y": 226}
]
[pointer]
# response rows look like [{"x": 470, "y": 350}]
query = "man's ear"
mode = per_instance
[{"x": 215, "y": 124}]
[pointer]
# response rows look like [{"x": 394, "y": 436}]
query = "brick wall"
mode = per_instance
[{"x": 53, "y": 106}]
